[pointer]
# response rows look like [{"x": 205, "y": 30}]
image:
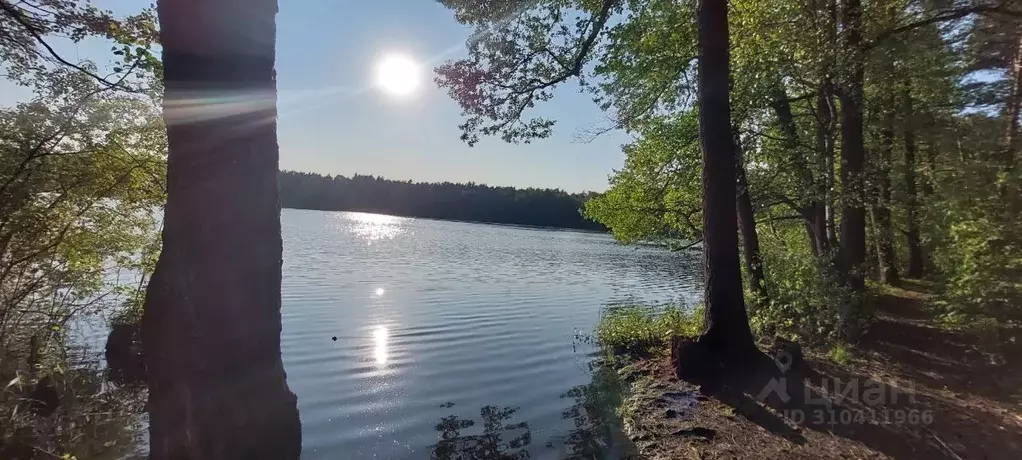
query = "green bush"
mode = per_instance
[
  {"x": 978, "y": 254},
  {"x": 986, "y": 280},
  {"x": 805, "y": 296},
  {"x": 642, "y": 330}
]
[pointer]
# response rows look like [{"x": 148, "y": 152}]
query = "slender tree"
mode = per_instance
[
  {"x": 211, "y": 327},
  {"x": 747, "y": 228},
  {"x": 812, "y": 210},
  {"x": 826, "y": 125},
  {"x": 881, "y": 202},
  {"x": 727, "y": 323},
  {"x": 1013, "y": 107},
  {"x": 916, "y": 263}
]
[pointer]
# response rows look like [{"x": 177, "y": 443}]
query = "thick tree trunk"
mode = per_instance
[
  {"x": 916, "y": 259},
  {"x": 747, "y": 227},
  {"x": 727, "y": 332},
  {"x": 211, "y": 327},
  {"x": 853, "y": 152},
  {"x": 882, "y": 197}
]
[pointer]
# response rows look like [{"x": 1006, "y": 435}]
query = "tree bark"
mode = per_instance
[
  {"x": 853, "y": 152},
  {"x": 211, "y": 327},
  {"x": 727, "y": 332},
  {"x": 747, "y": 227},
  {"x": 916, "y": 259}
]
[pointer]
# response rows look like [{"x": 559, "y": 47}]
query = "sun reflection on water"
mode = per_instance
[
  {"x": 380, "y": 349},
  {"x": 373, "y": 227}
]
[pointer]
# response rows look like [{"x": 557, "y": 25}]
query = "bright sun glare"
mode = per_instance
[{"x": 397, "y": 74}]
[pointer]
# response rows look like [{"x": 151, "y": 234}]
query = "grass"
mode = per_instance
[
  {"x": 640, "y": 330},
  {"x": 840, "y": 354}
]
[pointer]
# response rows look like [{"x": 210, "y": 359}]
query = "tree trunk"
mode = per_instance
[
  {"x": 882, "y": 195},
  {"x": 1013, "y": 107},
  {"x": 926, "y": 182},
  {"x": 727, "y": 332},
  {"x": 826, "y": 99},
  {"x": 853, "y": 152},
  {"x": 211, "y": 327},
  {"x": 747, "y": 227},
  {"x": 826, "y": 125},
  {"x": 811, "y": 209},
  {"x": 916, "y": 260}
]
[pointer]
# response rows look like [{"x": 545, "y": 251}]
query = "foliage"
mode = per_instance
[
  {"x": 640, "y": 330},
  {"x": 655, "y": 197},
  {"x": 82, "y": 167},
  {"x": 30, "y": 28},
  {"x": 81, "y": 176},
  {"x": 803, "y": 302},
  {"x": 940, "y": 177},
  {"x": 81, "y": 181},
  {"x": 977, "y": 246},
  {"x": 470, "y": 202}
]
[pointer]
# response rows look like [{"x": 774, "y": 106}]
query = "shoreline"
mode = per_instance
[
  {"x": 891, "y": 399},
  {"x": 499, "y": 224}
]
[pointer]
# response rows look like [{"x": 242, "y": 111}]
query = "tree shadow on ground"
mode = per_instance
[
  {"x": 918, "y": 396},
  {"x": 784, "y": 401},
  {"x": 913, "y": 348}
]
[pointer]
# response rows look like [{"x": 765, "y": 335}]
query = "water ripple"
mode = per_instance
[{"x": 412, "y": 338}]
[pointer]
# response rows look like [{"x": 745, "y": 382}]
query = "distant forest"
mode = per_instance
[{"x": 468, "y": 202}]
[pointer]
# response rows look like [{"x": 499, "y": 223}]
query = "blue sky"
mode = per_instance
[{"x": 332, "y": 121}]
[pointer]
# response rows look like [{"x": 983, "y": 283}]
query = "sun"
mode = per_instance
[{"x": 397, "y": 74}]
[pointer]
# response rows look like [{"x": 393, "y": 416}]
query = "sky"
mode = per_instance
[{"x": 333, "y": 121}]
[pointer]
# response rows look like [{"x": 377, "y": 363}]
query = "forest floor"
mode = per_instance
[{"x": 911, "y": 390}]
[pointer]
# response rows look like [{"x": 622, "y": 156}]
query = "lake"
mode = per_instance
[{"x": 458, "y": 340}]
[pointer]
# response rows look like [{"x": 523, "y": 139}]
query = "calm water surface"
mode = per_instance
[{"x": 457, "y": 340}]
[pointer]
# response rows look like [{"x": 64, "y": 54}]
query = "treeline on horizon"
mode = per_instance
[{"x": 444, "y": 200}]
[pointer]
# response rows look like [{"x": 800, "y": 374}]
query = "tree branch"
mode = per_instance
[
  {"x": 948, "y": 15},
  {"x": 685, "y": 246},
  {"x": 580, "y": 57},
  {"x": 14, "y": 13}
]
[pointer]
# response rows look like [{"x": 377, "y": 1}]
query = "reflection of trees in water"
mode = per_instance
[
  {"x": 490, "y": 445},
  {"x": 598, "y": 432}
]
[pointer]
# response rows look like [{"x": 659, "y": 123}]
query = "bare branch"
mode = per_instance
[{"x": 685, "y": 246}]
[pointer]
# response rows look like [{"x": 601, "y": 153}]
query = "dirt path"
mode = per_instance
[{"x": 913, "y": 390}]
